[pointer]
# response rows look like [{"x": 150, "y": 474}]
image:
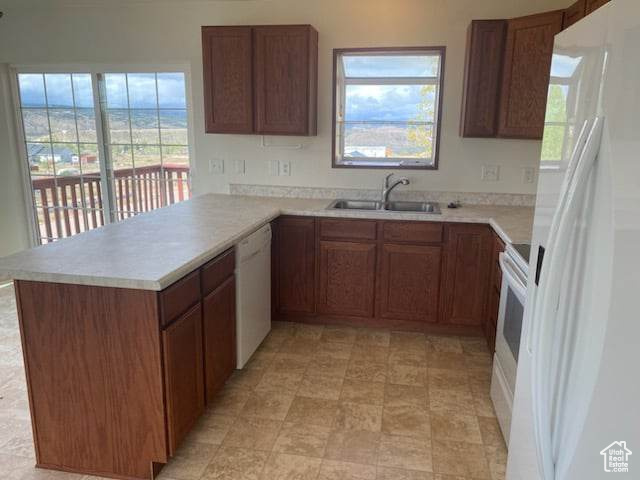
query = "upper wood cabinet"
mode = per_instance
[
  {"x": 260, "y": 79},
  {"x": 525, "y": 75},
  {"x": 573, "y": 13},
  {"x": 594, "y": 5},
  {"x": 286, "y": 77},
  {"x": 483, "y": 68},
  {"x": 227, "y": 69},
  {"x": 466, "y": 274}
]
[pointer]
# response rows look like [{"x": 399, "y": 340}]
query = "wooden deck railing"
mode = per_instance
[{"x": 62, "y": 213}]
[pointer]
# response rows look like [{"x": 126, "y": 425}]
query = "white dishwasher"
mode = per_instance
[{"x": 253, "y": 292}]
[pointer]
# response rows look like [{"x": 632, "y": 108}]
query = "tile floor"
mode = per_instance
[{"x": 317, "y": 403}]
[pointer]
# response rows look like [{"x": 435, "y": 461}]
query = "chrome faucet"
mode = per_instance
[{"x": 386, "y": 188}]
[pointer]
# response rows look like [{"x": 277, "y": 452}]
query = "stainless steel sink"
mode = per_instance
[
  {"x": 420, "y": 207},
  {"x": 356, "y": 205},
  {"x": 409, "y": 207}
]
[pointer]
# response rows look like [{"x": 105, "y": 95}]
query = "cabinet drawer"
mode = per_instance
[
  {"x": 217, "y": 271},
  {"x": 177, "y": 298},
  {"x": 348, "y": 229},
  {"x": 412, "y": 232}
]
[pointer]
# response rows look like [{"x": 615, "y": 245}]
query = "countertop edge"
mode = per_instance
[{"x": 199, "y": 260}]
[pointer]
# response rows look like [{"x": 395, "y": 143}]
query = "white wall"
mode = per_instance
[{"x": 163, "y": 31}]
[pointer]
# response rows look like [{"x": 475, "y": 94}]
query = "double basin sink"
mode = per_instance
[{"x": 409, "y": 207}]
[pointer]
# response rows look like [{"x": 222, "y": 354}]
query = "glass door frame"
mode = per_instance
[{"x": 106, "y": 170}]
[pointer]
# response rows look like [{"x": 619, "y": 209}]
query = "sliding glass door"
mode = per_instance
[{"x": 101, "y": 147}]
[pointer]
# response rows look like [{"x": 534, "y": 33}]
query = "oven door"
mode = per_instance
[{"x": 510, "y": 314}]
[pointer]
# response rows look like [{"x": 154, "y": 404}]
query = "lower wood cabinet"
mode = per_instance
[
  {"x": 493, "y": 294},
  {"x": 409, "y": 282},
  {"x": 346, "y": 283},
  {"x": 466, "y": 274},
  {"x": 219, "y": 322},
  {"x": 406, "y": 274},
  {"x": 136, "y": 362},
  {"x": 183, "y": 365},
  {"x": 294, "y": 264}
]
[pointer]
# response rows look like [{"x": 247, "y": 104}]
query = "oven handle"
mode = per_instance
[{"x": 510, "y": 272}]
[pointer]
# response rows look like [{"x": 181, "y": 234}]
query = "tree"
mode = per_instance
[
  {"x": 555, "y": 125},
  {"x": 419, "y": 135}
]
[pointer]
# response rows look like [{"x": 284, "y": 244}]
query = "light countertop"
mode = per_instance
[{"x": 154, "y": 249}]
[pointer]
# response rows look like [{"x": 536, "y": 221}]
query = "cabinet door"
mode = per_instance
[
  {"x": 346, "y": 278},
  {"x": 228, "y": 90},
  {"x": 184, "y": 382},
  {"x": 525, "y": 77},
  {"x": 483, "y": 73},
  {"x": 409, "y": 282},
  {"x": 573, "y": 13},
  {"x": 219, "y": 323},
  {"x": 593, "y": 5},
  {"x": 285, "y": 60},
  {"x": 294, "y": 264},
  {"x": 466, "y": 274}
]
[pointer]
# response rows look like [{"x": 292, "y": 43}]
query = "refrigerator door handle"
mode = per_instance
[
  {"x": 571, "y": 167},
  {"x": 545, "y": 373}
]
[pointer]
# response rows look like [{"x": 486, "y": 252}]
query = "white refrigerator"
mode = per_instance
[{"x": 576, "y": 413}]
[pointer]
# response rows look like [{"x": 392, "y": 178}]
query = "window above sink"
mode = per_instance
[{"x": 387, "y": 107}]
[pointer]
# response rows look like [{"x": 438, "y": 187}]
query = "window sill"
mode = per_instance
[{"x": 401, "y": 164}]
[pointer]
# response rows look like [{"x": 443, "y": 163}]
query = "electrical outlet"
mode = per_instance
[
  {"x": 216, "y": 166},
  {"x": 238, "y": 166},
  {"x": 274, "y": 168},
  {"x": 285, "y": 168},
  {"x": 491, "y": 173},
  {"x": 528, "y": 175}
]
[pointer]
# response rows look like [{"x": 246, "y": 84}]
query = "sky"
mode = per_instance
[
  {"x": 62, "y": 89},
  {"x": 383, "y": 102},
  {"x": 399, "y": 102}
]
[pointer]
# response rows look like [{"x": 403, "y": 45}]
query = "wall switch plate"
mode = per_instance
[
  {"x": 528, "y": 175},
  {"x": 285, "y": 168},
  {"x": 216, "y": 166},
  {"x": 238, "y": 166},
  {"x": 274, "y": 168},
  {"x": 491, "y": 173}
]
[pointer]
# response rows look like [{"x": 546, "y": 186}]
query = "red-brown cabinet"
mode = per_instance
[
  {"x": 525, "y": 74},
  {"x": 483, "y": 75},
  {"x": 294, "y": 265},
  {"x": 409, "y": 282},
  {"x": 228, "y": 86},
  {"x": 260, "y": 79},
  {"x": 465, "y": 274},
  {"x": 218, "y": 322},
  {"x": 182, "y": 345},
  {"x": 346, "y": 281}
]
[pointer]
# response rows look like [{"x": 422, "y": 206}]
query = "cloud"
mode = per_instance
[{"x": 386, "y": 103}]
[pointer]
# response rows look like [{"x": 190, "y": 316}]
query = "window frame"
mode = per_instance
[
  {"x": 94, "y": 69},
  {"x": 437, "y": 122}
]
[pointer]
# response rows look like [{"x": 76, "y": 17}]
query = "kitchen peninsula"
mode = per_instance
[{"x": 120, "y": 325}]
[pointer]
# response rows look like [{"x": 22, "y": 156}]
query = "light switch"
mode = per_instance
[
  {"x": 285, "y": 168},
  {"x": 238, "y": 166},
  {"x": 216, "y": 166},
  {"x": 528, "y": 174},
  {"x": 491, "y": 173},
  {"x": 274, "y": 168}
]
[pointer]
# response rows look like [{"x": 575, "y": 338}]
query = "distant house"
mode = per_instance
[{"x": 42, "y": 153}]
